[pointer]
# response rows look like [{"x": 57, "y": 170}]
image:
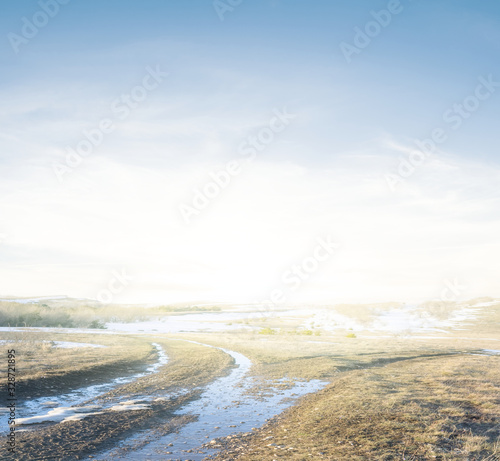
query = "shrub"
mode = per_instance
[
  {"x": 97, "y": 324},
  {"x": 267, "y": 331}
]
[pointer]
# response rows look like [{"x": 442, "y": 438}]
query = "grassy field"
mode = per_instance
[
  {"x": 305, "y": 357},
  {"x": 190, "y": 367},
  {"x": 44, "y": 369},
  {"x": 388, "y": 396},
  {"x": 445, "y": 408},
  {"x": 73, "y": 313}
]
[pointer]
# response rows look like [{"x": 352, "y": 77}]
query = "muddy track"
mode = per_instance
[
  {"x": 184, "y": 422},
  {"x": 79, "y": 439},
  {"x": 223, "y": 408},
  {"x": 97, "y": 432},
  {"x": 57, "y": 384}
]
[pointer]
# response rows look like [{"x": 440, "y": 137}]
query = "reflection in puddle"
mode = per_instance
[{"x": 224, "y": 408}]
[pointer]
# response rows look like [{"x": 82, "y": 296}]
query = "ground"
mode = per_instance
[
  {"x": 443, "y": 407},
  {"x": 387, "y": 396}
]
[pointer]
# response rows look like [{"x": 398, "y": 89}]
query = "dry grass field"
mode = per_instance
[
  {"x": 387, "y": 396},
  {"x": 445, "y": 408}
]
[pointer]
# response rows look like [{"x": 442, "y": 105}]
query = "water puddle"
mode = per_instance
[
  {"x": 224, "y": 408},
  {"x": 487, "y": 352}
]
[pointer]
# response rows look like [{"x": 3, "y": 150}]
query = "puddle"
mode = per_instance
[
  {"x": 224, "y": 408},
  {"x": 491, "y": 351},
  {"x": 487, "y": 352},
  {"x": 31, "y": 409}
]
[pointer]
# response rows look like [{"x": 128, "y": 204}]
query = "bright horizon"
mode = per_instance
[{"x": 252, "y": 158}]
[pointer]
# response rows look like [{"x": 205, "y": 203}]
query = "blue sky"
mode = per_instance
[
  {"x": 427, "y": 59},
  {"x": 355, "y": 122}
]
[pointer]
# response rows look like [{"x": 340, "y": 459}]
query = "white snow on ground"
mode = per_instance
[
  {"x": 398, "y": 320},
  {"x": 50, "y": 403},
  {"x": 204, "y": 322},
  {"x": 223, "y": 408},
  {"x": 404, "y": 319},
  {"x": 65, "y": 414},
  {"x": 73, "y": 413},
  {"x": 486, "y": 304},
  {"x": 186, "y": 323},
  {"x": 61, "y": 414},
  {"x": 130, "y": 405}
]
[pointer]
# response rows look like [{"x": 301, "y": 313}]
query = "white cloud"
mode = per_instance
[{"x": 67, "y": 238}]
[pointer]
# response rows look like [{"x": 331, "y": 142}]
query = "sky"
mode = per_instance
[{"x": 235, "y": 151}]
